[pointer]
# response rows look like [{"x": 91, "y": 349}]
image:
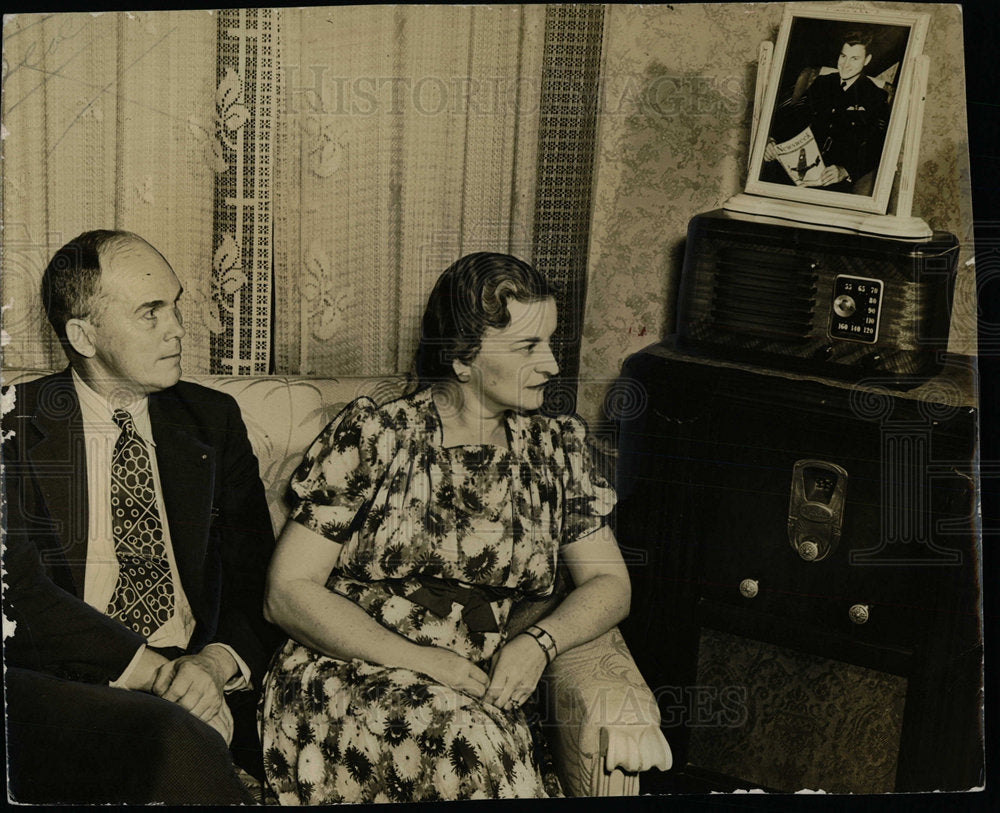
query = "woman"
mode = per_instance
[{"x": 415, "y": 528}]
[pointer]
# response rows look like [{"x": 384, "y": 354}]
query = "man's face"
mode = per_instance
[
  {"x": 851, "y": 61},
  {"x": 137, "y": 330}
]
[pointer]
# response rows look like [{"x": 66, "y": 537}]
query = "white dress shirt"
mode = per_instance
[{"x": 101, "y": 571}]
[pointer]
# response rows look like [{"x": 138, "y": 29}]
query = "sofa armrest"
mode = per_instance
[{"x": 601, "y": 719}]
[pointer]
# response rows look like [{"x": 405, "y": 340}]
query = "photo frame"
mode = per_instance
[{"x": 830, "y": 134}]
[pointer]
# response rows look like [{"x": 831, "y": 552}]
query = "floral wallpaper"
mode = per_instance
[{"x": 673, "y": 142}]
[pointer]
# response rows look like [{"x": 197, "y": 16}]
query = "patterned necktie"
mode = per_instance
[{"x": 144, "y": 595}]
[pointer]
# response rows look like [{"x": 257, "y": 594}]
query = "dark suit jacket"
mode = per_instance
[
  {"x": 849, "y": 126},
  {"x": 220, "y": 530}
]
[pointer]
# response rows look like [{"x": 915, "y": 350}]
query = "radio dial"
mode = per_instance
[
  {"x": 855, "y": 308},
  {"x": 844, "y": 305}
]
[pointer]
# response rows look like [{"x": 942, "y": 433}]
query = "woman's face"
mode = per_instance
[{"x": 513, "y": 362}]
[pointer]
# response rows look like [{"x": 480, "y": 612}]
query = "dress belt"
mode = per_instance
[{"x": 437, "y": 595}]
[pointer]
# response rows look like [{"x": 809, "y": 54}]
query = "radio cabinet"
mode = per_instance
[
  {"x": 856, "y": 671},
  {"x": 805, "y": 298}
]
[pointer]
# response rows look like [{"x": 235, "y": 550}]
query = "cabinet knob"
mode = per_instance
[
  {"x": 808, "y": 550},
  {"x": 749, "y": 588},
  {"x": 858, "y": 613}
]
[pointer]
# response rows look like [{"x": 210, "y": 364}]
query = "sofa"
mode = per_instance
[{"x": 600, "y": 717}]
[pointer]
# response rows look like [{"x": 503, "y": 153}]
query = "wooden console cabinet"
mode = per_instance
[{"x": 786, "y": 653}]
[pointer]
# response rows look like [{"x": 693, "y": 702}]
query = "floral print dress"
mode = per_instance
[{"x": 438, "y": 543}]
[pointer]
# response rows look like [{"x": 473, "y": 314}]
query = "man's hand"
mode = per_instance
[
  {"x": 142, "y": 676},
  {"x": 516, "y": 670},
  {"x": 832, "y": 174},
  {"x": 771, "y": 151},
  {"x": 223, "y": 723},
  {"x": 196, "y": 682}
]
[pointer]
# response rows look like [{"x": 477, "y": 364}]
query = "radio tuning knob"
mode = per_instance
[
  {"x": 749, "y": 588},
  {"x": 808, "y": 550},
  {"x": 858, "y": 613},
  {"x": 844, "y": 305}
]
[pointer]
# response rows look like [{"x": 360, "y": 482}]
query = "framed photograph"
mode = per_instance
[{"x": 835, "y": 106}]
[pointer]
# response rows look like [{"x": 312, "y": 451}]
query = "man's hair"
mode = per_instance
[
  {"x": 471, "y": 295},
  {"x": 71, "y": 284},
  {"x": 858, "y": 38}
]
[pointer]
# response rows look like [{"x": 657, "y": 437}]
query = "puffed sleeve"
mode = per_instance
[
  {"x": 337, "y": 476},
  {"x": 588, "y": 498}
]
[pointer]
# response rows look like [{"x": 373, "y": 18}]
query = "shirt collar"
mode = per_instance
[
  {"x": 96, "y": 411},
  {"x": 850, "y": 81}
]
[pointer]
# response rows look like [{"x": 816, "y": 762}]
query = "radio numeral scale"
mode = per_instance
[{"x": 856, "y": 305}]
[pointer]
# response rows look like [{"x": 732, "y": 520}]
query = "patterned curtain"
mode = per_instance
[
  {"x": 406, "y": 137},
  {"x": 242, "y": 262},
  {"x": 307, "y": 172},
  {"x": 566, "y": 146},
  {"x": 104, "y": 126}
]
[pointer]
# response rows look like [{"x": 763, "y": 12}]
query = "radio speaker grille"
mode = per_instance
[
  {"x": 807, "y": 721},
  {"x": 765, "y": 294}
]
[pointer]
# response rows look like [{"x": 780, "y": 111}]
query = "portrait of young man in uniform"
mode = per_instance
[{"x": 848, "y": 115}]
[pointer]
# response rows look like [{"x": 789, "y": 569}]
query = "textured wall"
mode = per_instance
[{"x": 674, "y": 140}]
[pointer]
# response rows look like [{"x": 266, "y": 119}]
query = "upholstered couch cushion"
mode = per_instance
[{"x": 284, "y": 415}]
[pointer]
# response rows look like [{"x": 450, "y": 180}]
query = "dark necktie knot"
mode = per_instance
[{"x": 123, "y": 418}]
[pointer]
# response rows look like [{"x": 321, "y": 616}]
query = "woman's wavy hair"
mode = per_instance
[{"x": 470, "y": 296}]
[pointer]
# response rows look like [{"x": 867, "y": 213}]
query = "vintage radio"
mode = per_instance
[{"x": 813, "y": 300}]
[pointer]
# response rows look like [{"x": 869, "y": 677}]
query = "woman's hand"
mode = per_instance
[
  {"x": 516, "y": 670},
  {"x": 451, "y": 669}
]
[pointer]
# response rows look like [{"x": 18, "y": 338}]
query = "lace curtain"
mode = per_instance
[
  {"x": 406, "y": 138},
  {"x": 242, "y": 142},
  {"x": 307, "y": 172},
  {"x": 104, "y": 126}
]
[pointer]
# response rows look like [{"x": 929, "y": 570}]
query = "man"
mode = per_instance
[
  {"x": 848, "y": 114},
  {"x": 136, "y": 544}
]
